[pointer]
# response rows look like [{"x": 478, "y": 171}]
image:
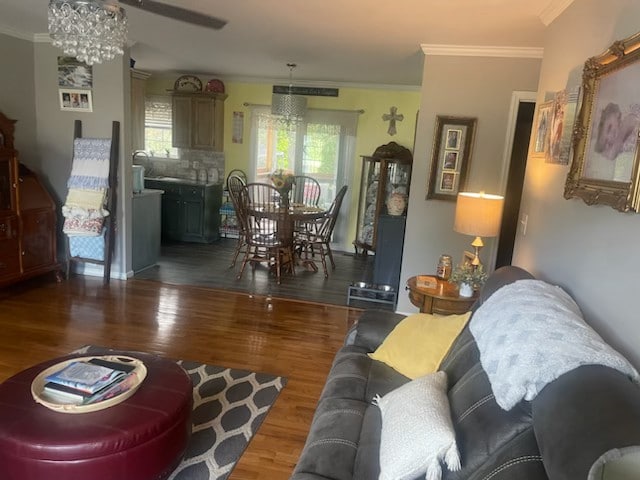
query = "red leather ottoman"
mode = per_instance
[{"x": 142, "y": 438}]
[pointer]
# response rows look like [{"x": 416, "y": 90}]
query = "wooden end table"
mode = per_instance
[{"x": 444, "y": 299}]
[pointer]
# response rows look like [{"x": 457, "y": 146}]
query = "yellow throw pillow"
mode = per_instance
[{"x": 417, "y": 345}]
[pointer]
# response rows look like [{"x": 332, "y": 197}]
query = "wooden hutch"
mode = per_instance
[{"x": 27, "y": 216}]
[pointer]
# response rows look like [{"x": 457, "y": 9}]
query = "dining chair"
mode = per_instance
[
  {"x": 235, "y": 184},
  {"x": 320, "y": 237},
  {"x": 305, "y": 190},
  {"x": 237, "y": 173},
  {"x": 269, "y": 236}
]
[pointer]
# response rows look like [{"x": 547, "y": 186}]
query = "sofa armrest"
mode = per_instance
[
  {"x": 582, "y": 415},
  {"x": 373, "y": 327}
]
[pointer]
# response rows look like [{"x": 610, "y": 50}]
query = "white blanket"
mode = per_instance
[{"x": 529, "y": 333}]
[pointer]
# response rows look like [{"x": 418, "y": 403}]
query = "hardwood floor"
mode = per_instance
[
  {"x": 42, "y": 319},
  {"x": 208, "y": 265}
]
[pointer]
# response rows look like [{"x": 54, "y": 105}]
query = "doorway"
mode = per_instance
[{"x": 517, "y": 165}]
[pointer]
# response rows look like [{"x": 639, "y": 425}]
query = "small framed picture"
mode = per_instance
[
  {"x": 453, "y": 138},
  {"x": 448, "y": 181},
  {"x": 74, "y": 100},
  {"x": 450, "y": 160}
]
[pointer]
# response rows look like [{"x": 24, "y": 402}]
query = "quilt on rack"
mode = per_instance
[{"x": 84, "y": 210}]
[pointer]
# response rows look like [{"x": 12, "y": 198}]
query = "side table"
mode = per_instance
[{"x": 443, "y": 299}]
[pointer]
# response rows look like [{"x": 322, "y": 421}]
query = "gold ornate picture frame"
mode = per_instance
[
  {"x": 605, "y": 138},
  {"x": 452, "y": 148}
]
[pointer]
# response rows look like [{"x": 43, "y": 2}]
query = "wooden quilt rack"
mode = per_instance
[{"x": 110, "y": 220}]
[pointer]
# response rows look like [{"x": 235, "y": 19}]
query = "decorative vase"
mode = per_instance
[
  {"x": 396, "y": 203},
  {"x": 466, "y": 290}
]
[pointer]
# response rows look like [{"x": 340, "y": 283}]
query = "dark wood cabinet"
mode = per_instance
[
  {"x": 190, "y": 210},
  {"x": 198, "y": 120},
  {"x": 27, "y": 216}
]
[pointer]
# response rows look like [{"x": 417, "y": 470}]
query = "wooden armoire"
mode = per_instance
[{"x": 27, "y": 216}]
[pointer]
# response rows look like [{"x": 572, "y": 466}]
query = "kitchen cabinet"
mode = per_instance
[
  {"x": 198, "y": 120},
  {"x": 386, "y": 172},
  {"x": 138, "y": 89},
  {"x": 190, "y": 210},
  {"x": 27, "y": 217}
]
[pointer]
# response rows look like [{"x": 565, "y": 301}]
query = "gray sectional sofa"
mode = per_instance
[{"x": 573, "y": 422}]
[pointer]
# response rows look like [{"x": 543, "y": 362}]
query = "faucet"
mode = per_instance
[{"x": 138, "y": 153}]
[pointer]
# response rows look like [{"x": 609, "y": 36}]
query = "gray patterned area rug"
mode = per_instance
[{"x": 229, "y": 406}]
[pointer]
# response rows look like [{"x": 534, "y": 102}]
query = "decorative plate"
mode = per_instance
[
  {"x": 37, "y": 386},
  {"x": 214, "y": 85},
  {"x": 188, "y": 83}
]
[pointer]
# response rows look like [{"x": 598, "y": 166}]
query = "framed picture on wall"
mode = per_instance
[
  {"x": 452, "y": 146},
  {"x": 73, "y": 100},
  {"x": 542, "y": 129},
  {"x": 605, "y": 161}
]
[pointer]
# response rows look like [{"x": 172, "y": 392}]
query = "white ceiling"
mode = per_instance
[{"x": 348, "y": 41}]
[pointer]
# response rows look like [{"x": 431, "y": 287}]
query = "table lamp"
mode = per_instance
[{"x": 480, "y": 215}]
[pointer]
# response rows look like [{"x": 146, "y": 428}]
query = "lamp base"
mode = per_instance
[{"x": 477, "y": 244}]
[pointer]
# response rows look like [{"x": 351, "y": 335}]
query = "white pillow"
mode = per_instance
[{"x": 417, "y": 432}]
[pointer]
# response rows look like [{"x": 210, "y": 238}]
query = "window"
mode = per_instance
[
  {"x": 157, "y": 127},
  {"x": 322, "y": 147}
]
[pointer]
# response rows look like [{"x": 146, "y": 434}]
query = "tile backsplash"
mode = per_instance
[{"x": 203, "y": 165}]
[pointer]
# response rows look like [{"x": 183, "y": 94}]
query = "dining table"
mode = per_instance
[{"x": 287, "y": 219}]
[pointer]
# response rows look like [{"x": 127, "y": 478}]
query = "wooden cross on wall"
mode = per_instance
[{"x": 392, "y": 117}]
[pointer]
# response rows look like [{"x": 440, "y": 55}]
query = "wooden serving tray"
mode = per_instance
[{"x": 37, "y": 386}]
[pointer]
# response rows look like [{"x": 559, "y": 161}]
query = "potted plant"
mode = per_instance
[{"x": 468, "y": 277}]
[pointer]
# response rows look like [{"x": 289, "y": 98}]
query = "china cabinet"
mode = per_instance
[
  {"x": 27, "y": 217},
  {"x": 198, "y": 120},
  {"x": 384, "y": 184}
]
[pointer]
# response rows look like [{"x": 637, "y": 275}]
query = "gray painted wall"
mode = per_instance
[
  {"x": 592, "y": 252},
  {"x": 17, "y": 100},
  {"x": 44, "y": 134},
  {"x": 478, "y": 87}
]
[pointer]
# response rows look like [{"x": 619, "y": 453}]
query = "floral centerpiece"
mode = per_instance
[
  {"x": 283, "y": 182},
  {"x": 468, "y": 277}
]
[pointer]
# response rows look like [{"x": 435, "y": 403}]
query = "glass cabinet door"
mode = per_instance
[{"x": 369, "y": 184}]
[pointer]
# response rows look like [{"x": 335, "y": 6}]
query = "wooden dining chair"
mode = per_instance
[
  {"x": 319, "y": 238},
  {"x": 235, "y": 184},
  {"x": 305, "y": 191},
  {"x": 269, "y": 234}
]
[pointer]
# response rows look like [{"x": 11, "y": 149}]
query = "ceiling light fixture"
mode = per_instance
[
  {"x": 289, "y": 107},
  {"x": 90, "y": 30}
]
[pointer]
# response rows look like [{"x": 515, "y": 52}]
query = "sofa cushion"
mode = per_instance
[
  {"x": 417, "y": 433},
  {"x": 416, "y": 346},
  {"x": 487, "y": 435},
  {"x": 373, "y": 327}
]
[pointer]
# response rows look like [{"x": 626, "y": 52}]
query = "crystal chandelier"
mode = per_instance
[
  {"x": 90, "y": 30},
  {"x": 288, "y": 107}
]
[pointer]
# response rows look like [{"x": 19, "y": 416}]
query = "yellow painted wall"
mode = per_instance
[{"x": 372, "y": 130}]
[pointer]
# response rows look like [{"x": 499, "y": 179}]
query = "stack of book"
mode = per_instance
[{"x": 90, "y": 381}]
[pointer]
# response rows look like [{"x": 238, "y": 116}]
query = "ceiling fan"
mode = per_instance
[{"x": 177, "y": 13}]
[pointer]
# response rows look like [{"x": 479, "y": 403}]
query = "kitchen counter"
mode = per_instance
[{"x": 182, "y": 181}]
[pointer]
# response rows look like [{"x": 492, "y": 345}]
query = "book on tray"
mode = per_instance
[{"x": 90, "y": 381}]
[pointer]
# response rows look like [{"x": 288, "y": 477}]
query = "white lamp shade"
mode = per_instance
[{"x": 478, "y": 214}]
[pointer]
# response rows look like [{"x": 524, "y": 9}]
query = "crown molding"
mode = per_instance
[
  {"x": 297, "y": 82},
  {"x": 481, "y": 51},
  {"x": 15, "y": 33},
  {"x": 41, "y": 38},
  {"x": 553, "y": 10}
]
